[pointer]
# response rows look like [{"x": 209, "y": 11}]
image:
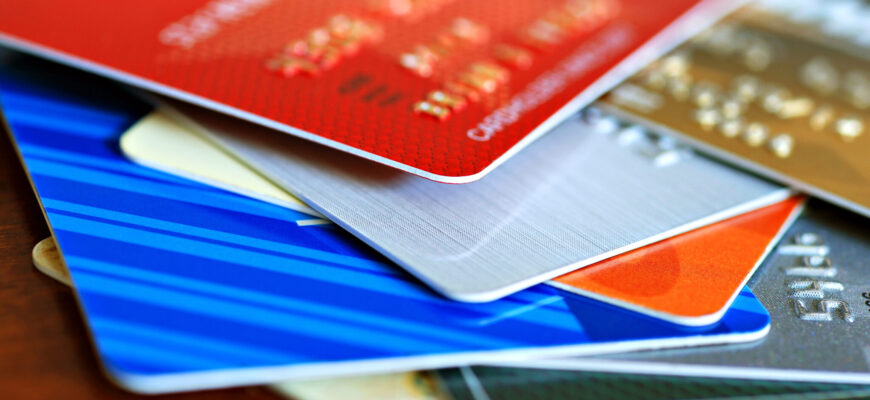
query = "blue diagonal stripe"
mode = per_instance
[
  {"x": 228, "y": 310},
  {"x": 429, "y": 331}
]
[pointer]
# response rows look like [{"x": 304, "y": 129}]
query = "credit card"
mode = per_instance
[
  {"x": 444, "y": 89},
  {"x": 676, "y": 279},
  {"x": 418, "y": 385},
  {"x": 184, "y": 286},
  {"x": 817, "y": 288},
  {"x": 579, "y": 195},
  {"x": 195, "y": 157},
  {"x": 690, "y": 279},
  {"x": 46, "y": 259},
  {"x": 471, "y": 382},
  {"x": 412, "y": 385},
  {"x": 782, "y": 90},
  {"x": 477, "y": 383},
  {"x": 514, "y": 383},
  {"x": 480, "y": 383}
]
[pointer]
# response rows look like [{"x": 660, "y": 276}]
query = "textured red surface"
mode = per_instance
[{"x": 228, "y": 67}]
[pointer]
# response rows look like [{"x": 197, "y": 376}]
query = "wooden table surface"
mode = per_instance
[{"x": 45, "y": 352}]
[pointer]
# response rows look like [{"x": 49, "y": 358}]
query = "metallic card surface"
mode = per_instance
[
  {"x": 476, "y": 383},
  {"x": 184, "y": 286},
  {"x": 362, "y": 76},
  {"x": 581, "y": 194},
  {"x": 689, "y": 279},
  {"x": 692, "y": 278},
  {"x": 817, "y": 288},
  {"x": 783, "y": 90}
]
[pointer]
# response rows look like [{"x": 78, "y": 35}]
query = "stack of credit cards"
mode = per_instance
[{"x": 435, "y": 199}]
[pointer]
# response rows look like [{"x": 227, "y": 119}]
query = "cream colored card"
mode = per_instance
[
  {"x": 415, "y": 385},
  {"x": 157, "y": 142}
]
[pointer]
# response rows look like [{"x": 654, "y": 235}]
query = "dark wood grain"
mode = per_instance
[{"x": 44, "y": 349}]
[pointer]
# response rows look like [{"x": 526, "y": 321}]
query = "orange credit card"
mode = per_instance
[{"x": 690, "y": 279}]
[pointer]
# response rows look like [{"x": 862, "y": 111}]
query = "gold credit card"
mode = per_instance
[{"x": 778, "y": 92}]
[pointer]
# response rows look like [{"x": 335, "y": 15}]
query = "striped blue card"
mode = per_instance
[{"x": 184, "y": 286}]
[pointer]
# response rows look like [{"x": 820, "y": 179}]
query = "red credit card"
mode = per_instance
[
  {"x": 690, "y": 279},
  {"x": 445, "y": 89}
]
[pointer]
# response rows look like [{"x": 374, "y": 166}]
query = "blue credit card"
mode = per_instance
[{"x": 184, "y": 286}]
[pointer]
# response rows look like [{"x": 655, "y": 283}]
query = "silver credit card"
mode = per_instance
[
  {"x": 580, "y": 194},
  {"x": 816, "y": 286},
  {"x": 479, "y": 383}
]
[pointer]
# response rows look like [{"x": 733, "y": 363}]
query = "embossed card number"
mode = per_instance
[{"x": 812, "y": 287}]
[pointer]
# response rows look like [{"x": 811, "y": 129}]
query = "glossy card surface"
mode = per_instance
[
  {"x": 780, "y": 88},
  {"x": 408, "y": 385},
  {"x": 579, "y": 195},
  {"x": 816, "y": 286},
  {"x": 445, "y": 89},
  {"x": 692, "y": 278},
  {"x": 184, "y": 286}
]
